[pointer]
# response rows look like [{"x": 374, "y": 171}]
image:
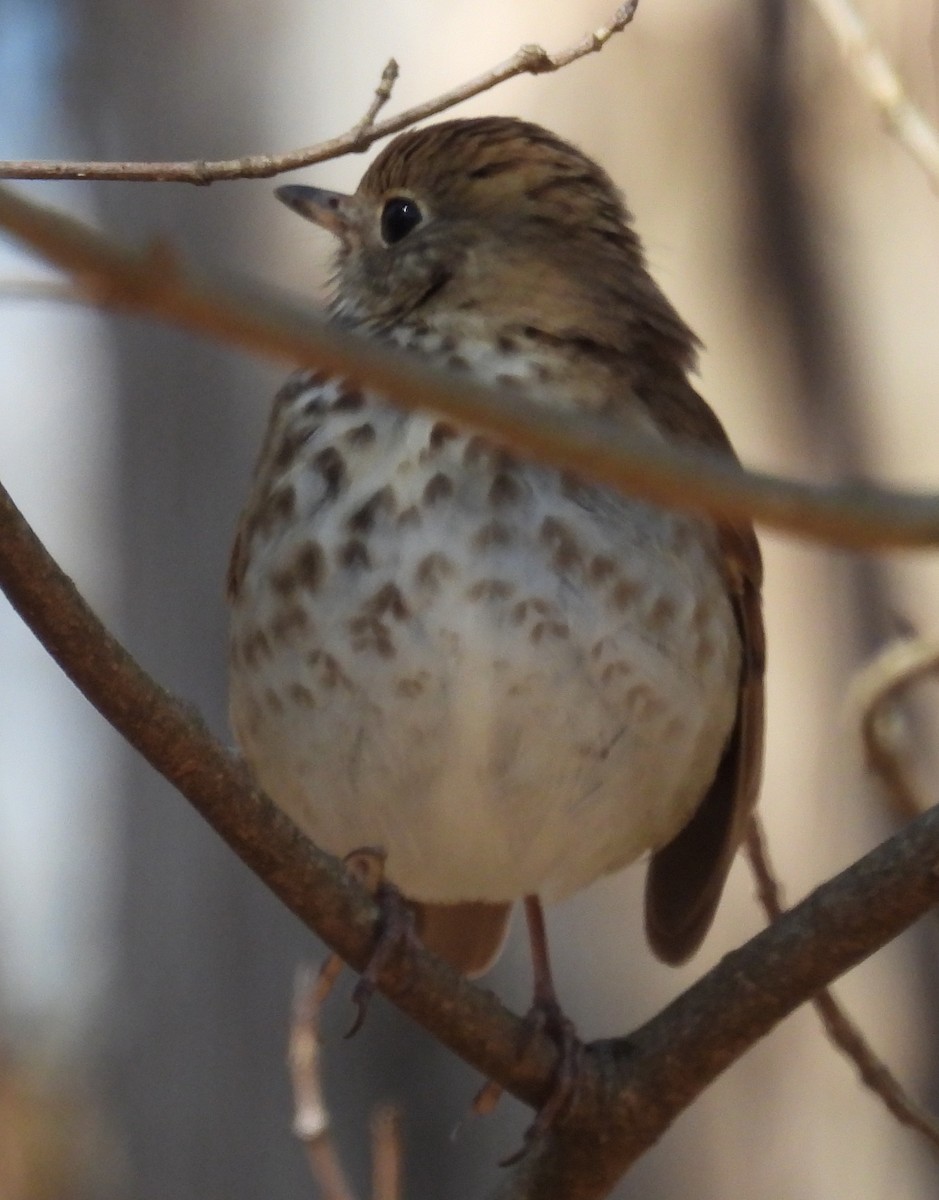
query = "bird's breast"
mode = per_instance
[{"x": 511, "y": 681}]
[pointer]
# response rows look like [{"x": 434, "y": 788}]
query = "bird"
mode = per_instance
[{"x": 505, "y": 678}]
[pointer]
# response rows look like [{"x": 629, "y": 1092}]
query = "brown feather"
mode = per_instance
[
  {"x": 469, "y": 936},
  {"x": 686, "y": 877}
]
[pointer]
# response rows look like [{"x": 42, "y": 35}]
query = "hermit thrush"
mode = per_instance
[{"x": 510, "y": 680}]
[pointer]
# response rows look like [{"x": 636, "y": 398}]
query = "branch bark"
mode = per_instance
[
  {"x": 155, "y": 283},
  {"x": 527, "y": 60}
]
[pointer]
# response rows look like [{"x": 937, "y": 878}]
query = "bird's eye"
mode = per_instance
[{"x": 399, "y": 216}]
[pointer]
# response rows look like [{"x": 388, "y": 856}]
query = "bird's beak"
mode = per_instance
[{"x": 331, "y": 210}]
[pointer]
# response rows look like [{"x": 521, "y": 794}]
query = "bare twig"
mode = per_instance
[
  {"x": 311, "y": 1116},
  {"x": 528, "y": 60},
  {"x": 875, "y": 694},
  {"x": 880, "y": 81},
  {"x": 382, "y": 96},
  {"x": 841, "y": 1030},
  {"x": 854, "y": 514},
  {"x": 386, "y": 1154},
  {"x": 46, "y": 290}
]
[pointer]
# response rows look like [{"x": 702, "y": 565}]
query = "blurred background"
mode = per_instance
[{"x": 145, "y": 976}]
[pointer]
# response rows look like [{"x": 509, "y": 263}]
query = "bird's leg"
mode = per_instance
[
  {"x": 544, "y": 1016},
  {"x": 396, "y": 925}
]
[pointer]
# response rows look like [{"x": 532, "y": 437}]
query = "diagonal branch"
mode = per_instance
[
  {"x": 527, "y": 60},
  {"x": 842, "y": 1032},
  {"x": 155, "y": 283}
]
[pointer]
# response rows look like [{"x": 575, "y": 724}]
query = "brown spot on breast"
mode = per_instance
[
  {"x": 349, "y": 400},
  {"x": 289, "y": 621},
  {"x": 601, "y": 568},
  {"x": 361, "y": 435},
  {"x": 504, "y": 489},
  {"x": 331, "y": 673},
  {"x": 388, "y": 599},
  {"x": 370, "y": 634},
  {"x": 353, "y": 554},
  {"x": 439, "y": 487},
  {"x": 614, "y": 670},
  {"x": 493, "y": 533},
  {"x": 432, "y": 570},
  {"x": 310, "y": 566},
  {"x": 332, "y": 467},
  {"x": 440, "y": 433},
  {"x": 296, "y": 386},
  {"x": 273, "y": 701},
  {"x": 511, "y": 383},
  {"x": 477, "y": 448},
  {"x": 567, "y": 554},
  {"x": 661, "y": 614},
  {"x": 506, "y": 344},
  {"x": 301, "y": 695},
  {"x": 410, "y": 518},
  {"x": 290, "y": 445},
  {"x": 255, "y": 646},
  {"x": 624, "y": 593},
  {"x": 278, "y": 506},
  {"x": 543, "y": 629},
  {"x": 456, "y": 362},
  {"x": 410, "y": 687},
  {"x": 363, "y": 519},
  {"x": 490, "y": 589}
]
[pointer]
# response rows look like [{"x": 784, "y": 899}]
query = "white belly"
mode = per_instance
[{"x": 507, "y": 698}]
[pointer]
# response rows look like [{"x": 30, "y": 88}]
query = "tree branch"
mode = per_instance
[
  {"x": 630, "y": 1089},
  {"x": 879, "y": 80},
  {"x": 842, "y": 1032},
  {"x": 527, "y": 60},
  {"x": 155, "y": 283}
]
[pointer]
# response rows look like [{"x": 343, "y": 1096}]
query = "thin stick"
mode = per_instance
[
  {"x": 311, "y": 1116},
  {"x": 907, "y": 122},
  {"x": 527, "y": 60},
  {"x": 841, "y": 1030}
]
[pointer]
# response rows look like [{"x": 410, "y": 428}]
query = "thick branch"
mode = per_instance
[
  {"x": 528, "y": 60},
  {"x": 155, "y": 284}
]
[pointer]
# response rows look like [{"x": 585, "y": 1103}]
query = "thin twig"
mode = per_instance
[
  {"x": 382, "y": 95},
  {"x": 311, "y": 1116},
  {"x": 528, "y": 60},
  {"x": 875, "y": 693},
  {"x": 906, "y": 121},
  {"x": 840, "y": 1028},
  {"x": 386, "y": 1154},
  {"x": 46, "y": 290},
  {"x": 858, "y": 515}
]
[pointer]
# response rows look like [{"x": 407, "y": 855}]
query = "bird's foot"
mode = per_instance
[
  {"x": 396, "y": 925},
  {"x": 546, "y": 1016}
]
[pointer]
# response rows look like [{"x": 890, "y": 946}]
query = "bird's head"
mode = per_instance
[{"x": 492, "y": 216}]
